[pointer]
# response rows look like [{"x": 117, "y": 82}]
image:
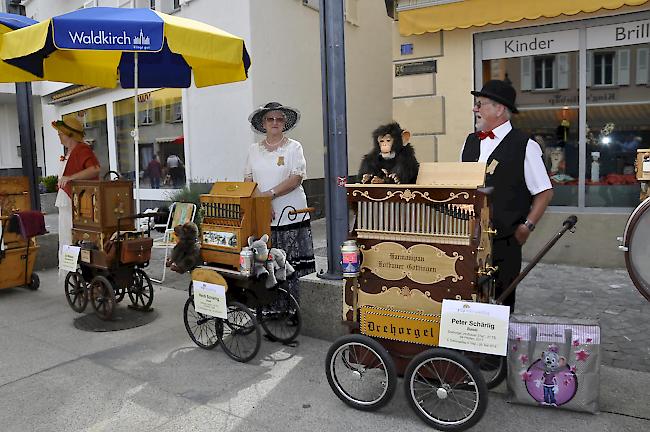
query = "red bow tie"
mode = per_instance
[{"x": 482, "y": 135}]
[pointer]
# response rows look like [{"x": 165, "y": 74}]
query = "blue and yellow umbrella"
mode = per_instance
[
  {"x": 107, "y": 47},
  {"x": 9, "y": 73},
  {"x": 99, "y": 46}
]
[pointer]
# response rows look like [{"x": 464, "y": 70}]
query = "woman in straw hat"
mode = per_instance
[
  {"x": 278, "y": 165},
  {"x": 78, "y": 163}
]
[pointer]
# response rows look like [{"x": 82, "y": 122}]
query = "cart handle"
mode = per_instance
[
  {"x": 137, "y": 216},
  {"x": 567, "y": 225},
  {"x": 108, "y": 175},
  {"x": 303, "y": 210}
]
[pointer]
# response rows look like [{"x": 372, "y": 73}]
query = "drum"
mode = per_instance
[{"x": 636, "y": 245}]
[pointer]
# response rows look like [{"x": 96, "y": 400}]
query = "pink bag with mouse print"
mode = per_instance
[{"x": 554, "y": 362}]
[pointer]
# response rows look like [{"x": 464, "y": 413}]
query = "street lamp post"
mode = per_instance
[{"x": 334, "y": 131}]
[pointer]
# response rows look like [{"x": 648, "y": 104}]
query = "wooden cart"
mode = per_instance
[
  {"x": 18, "y": 255},
  {"x": 113, "y": 255}
]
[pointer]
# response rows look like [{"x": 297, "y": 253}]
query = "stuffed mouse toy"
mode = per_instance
[{"x": 271, "y": 265}]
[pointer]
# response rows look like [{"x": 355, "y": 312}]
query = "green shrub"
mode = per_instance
[{"x": 50, "y": 182}]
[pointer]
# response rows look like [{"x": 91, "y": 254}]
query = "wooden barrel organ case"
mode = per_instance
[
  {"x": 420, "y": 244},
  {"x": 232, "y": 212},
  {"x": 96, "y": 207},
  {"x": 17, "y": 256}
]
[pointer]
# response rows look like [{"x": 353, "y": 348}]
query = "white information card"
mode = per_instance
[
  {"x": 210, "y": 299},
  {"x": 477, "y": 327},
  {"x": 69, "y": 257}
]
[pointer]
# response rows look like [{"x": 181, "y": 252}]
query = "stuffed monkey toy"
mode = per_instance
[{"x": 392, "y": 159}]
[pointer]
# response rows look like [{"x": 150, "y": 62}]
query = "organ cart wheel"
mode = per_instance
[
  {"x": 239, "y": 334},
  {"x": 636, "y": 245},
  {"x": 34, "y": 283},
  {"x": 119, "y": 294},
  {"x": 141, "y": 290},
  {"x": 281, "y": 319},
  {"x": 75, "y": 291},
  {"x": 445, "y": 389},
  {"x": 102, "y": 297},
  {"x": 361, "y": 372},
  {"x": 494, "y": 369},
  {"x": 201, "y": 328}
]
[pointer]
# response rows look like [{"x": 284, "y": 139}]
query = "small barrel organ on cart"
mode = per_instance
[
  {"x": 96, "y": 206},
  {"x": 232, "y": 212},
  {"x": 421, "y": 244}
]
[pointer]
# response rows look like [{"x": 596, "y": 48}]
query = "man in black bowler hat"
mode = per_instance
[{"x": 522, "y": 189}]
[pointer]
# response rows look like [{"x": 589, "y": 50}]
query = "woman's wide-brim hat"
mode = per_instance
[
  {"x": 501, "y": 92},
  {"x": 292, "y": 116},
  {"x": 71, "y": 127}
]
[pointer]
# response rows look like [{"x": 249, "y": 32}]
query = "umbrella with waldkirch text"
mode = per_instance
[{"x": 130, "y": 48}]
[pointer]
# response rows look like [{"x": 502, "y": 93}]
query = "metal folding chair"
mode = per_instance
[{"x": 179, "y": 213}]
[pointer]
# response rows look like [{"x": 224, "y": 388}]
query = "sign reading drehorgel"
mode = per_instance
[
  {"x": 69, "y": 257},
  {"x": 210, "y": 299},
  {"x": 477, "y": 327}
]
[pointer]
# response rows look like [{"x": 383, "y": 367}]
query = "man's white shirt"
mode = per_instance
[{"x": 534, "y": 169}]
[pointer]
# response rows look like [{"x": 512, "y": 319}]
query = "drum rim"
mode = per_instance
[{"x": 639, "y": 211}]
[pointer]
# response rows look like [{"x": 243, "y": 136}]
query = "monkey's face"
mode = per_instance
[{"x": 385, "y": 143}]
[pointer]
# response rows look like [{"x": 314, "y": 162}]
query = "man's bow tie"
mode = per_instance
[{"x": 482, "y": 135}]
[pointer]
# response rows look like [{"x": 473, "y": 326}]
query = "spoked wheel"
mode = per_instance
[
  {"x": 201, "y": 328},
  {"x": 75, "y": 291},
  {"x": 141, "y": 290},
  {"x": 119, "y": 294},
  {"x": 240, "y": 336},
  {"x": 281, "y": 320},
  {"x": 445, "y": 389},
  {"x": 361, "y": 372},
  {"x": 494, "y": 369},
  {"x": 102, "y": 297}
]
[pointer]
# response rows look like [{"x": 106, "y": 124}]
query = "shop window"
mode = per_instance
[
  {"x": 96, "y": 132},
  {"x": 162, "y": 138},
  {"x": 544, "y": 72}
]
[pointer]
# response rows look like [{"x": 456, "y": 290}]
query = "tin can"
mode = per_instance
[
  {"x": 350, "y": 258},
  {"x": 246, "y": 257}
]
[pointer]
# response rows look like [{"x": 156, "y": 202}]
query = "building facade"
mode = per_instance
[
  {"x": 207, "y": 128},
  {"x": 581, "y": 71}
]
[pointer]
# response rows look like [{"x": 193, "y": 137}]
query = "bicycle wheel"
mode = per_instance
[
  {"x": 75, "y": 291},
  {"x": 361, "y": 372},
  {"x": 281, "y": 320},
  {"x": 201, "y": 328},
  {"x": 239, "y": 334},
  {"x": 493, "y": 368},
  {"x": 445, "y": 389},
  {"x": 102, "y": 297},
  {"x": 141, "y": 290}
]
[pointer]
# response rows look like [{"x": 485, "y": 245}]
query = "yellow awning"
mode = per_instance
[{"x": 477, "y": 13}]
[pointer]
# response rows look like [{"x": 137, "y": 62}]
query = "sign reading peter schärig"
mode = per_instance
[{"x": 477, "y": 327}]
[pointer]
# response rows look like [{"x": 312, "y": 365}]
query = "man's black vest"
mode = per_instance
[{"x": 511, "y": 199}]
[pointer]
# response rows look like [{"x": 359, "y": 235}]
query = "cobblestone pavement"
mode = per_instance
[{"x": 605, "y": 294}]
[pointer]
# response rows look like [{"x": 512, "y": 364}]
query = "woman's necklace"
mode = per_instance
[{"x": 275, "y": 145}]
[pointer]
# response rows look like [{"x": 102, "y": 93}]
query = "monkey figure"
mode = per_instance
[{"x": 392, "y": 159}]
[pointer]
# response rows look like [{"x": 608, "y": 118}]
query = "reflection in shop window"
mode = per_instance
[
  {"x": 603, "y": 68},
  {"x": 96, "y": 133},
  {"x": 544, "y": 67},
  {"x": 160, "y": 111}
]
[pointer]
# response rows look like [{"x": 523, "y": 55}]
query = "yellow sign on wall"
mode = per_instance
[{"x": 400, "y": 326}]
